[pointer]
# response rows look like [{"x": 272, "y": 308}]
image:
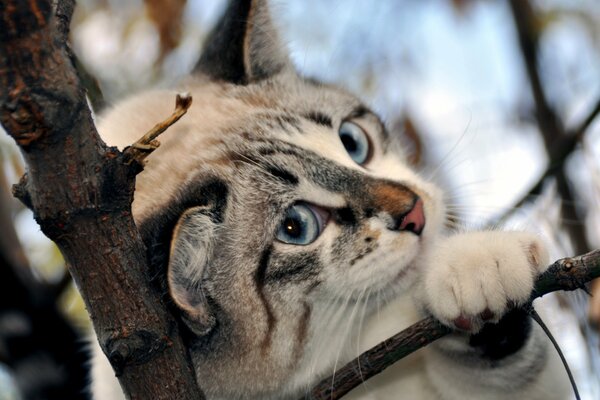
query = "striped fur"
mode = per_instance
[{"x": 268, "y": 319}]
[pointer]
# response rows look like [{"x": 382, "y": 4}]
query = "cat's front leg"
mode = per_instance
[
  {"x": 476, "y": 277},
  {"x": 475, "y": 283}
]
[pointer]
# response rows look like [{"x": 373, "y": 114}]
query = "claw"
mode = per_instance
[
  {"x": 486, "y": 315},
  {"x": 463, "y": 323}
]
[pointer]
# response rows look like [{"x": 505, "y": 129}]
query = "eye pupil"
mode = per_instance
[
  {"x": 292, "y": 227},
  {"x": 349, "y": 143},
  {"x": 302, "y": 224}
]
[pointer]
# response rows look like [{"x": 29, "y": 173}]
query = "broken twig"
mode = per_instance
[{"x": 147, "y": 144}]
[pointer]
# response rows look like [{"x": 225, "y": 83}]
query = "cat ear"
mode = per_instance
[
  {"x": 191, "y": 250},
  {"x": 244, "y": 47}
]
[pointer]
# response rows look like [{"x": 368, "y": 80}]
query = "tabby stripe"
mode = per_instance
[
  {"x": 319, "y": 118},
  {"x": 286, "y": 122},
  {"x": 283, "y": 175},
  {"x": 359, "y": 111},
  {"x": 294, "y": 268},
  {"x": 259, "y": 281},
  {"x": 302, "y": 330}
]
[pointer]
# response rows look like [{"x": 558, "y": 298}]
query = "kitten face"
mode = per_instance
[
  {"x": 257, "y": 303},
  {"x": 274, "y": 210},
  {"x": 279, "y": 212}
]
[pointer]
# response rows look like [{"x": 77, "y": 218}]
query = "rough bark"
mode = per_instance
[
  {"x": 81, "y": 191},
  {"x": 48, "y": 364}
]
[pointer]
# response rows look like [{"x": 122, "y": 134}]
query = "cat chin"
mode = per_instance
[
  {"x": 401, "y": 283},
  {"x": 389, "y": 286}
]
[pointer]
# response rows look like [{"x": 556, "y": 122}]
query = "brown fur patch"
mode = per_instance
[
  {"x": 259, "y": 281},
  {"x": 302, "y": 330},
  {"x": 257, "y": 100},
  {"x": 533, "y": 256},
  {"x": 371, "y": 235},
  {"x": 394, "y": 199},
  {"x": 361, "y": 254},
  {"x": 221, "y": 161}
]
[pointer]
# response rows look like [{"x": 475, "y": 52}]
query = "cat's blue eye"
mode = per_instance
[
  {"x": 302, "y": 224},
  {"x": 355, "y": 142}
]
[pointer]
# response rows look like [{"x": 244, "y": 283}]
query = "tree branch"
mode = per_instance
[
  {"x": 585, "y": 124},
  {"x": 565, "y": 274},
  {"x": 556, "y": 162},
  {"x": 147, "y": 144},
  {"x": 559, "y": 143},
  {"x": 81, "y": 191}
]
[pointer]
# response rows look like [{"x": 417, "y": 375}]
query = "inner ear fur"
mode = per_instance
[
  {"x": 244, "y": 46},
  {"x": 190, "y": 253}
]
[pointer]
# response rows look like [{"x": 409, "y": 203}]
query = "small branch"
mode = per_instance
[
  {"x": 565, "y": 274},
  {"x": 557, "y": 160},
  {"x": 147, "y": 144},
  {"x": 559, "y": 143},
  {"x": 580, "y": 131},
  {"x": 64, "y": 14}
]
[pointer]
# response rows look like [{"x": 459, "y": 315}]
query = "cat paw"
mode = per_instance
[{"x": 475, "y": 278}]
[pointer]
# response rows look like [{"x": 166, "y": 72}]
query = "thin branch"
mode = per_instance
[
  {"x": 147, "y": 143},
  {"x": 557, "y": 160},
  {"x": 528, "y": 33},
  {"x": 559, "y": 143},
  {"x": 585, "y": 124},
  {"x": 565, "y": 274}
]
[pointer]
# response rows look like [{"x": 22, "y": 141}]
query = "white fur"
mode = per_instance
[
  {"x": 359, "y": 304},
  {"x": 461, "y": 274}
]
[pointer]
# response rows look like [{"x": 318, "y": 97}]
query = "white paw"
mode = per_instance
[{"x": 474, "y": 278}]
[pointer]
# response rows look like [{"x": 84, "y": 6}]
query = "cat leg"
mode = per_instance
[{"x": 475, "y": 282}]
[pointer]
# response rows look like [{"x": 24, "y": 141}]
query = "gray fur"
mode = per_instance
[{"x": 268, "y": 319}]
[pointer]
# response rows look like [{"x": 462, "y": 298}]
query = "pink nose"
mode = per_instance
[{"x": 414, "y": 220}]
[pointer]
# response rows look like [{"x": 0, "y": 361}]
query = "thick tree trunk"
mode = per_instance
[{"x": 81, "y": 191}]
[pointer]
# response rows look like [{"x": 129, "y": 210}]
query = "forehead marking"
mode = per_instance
[
  {"x": 283, "y": 175},
  {"x": 319, "y": 118},
  {"x": 393, "y": 198},
  {"x": 278, "y": 120}
]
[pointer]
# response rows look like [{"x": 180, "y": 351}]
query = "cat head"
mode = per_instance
[{"x": 278, "y": 205}]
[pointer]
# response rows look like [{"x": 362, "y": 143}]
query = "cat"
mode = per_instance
[{"x": 292, "y": 235}]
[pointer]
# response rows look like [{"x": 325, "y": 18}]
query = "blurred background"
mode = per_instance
[{"x": 497, "y": 100}]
